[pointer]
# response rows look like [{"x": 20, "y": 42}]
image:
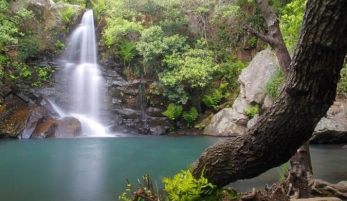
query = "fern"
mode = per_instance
[
  {"x": 213, "y": 100},
  {"x": 126, "y": 51},
  {"x": 190, "y": 116},
  {"x": 173, "y": 111},
  {"x": 184, "y": 187}
]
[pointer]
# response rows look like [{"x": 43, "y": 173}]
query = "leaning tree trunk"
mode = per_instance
[{"x": 309, "y": 91}]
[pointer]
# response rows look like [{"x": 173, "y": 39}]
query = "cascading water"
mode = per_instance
[{"x": 83, "y": 77}]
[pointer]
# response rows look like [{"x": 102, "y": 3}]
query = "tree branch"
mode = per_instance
[
  {"x": 258, "y": 34},
  {"x": 273, "y": 36},
  {"x": 291, "y": 119}
]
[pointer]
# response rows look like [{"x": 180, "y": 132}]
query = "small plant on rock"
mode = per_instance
[{"x": 252, "y": 111}]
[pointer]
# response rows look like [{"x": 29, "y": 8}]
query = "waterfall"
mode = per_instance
[{"x": 84, "y": 82}]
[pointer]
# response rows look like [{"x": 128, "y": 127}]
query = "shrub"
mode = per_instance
[
  {"x": 30, "y": 47},
  {"x": 252, "y": 42},
  {"x": 190, "y": 116},
  {"x": 213, "y": 100},
  {"x": 184, "y": 187},
  {"x": 173, "y": 111},
  {"x": 66, "y": 14},
  {"x": 126, "y": 51},
  {"x": 252, "y": 111}
]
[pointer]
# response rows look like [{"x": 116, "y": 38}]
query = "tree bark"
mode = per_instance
[
  {"x": 273, "y": 35},
  {"x": 309, "y": 91}
]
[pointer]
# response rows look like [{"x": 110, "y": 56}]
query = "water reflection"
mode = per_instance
[{"x": 96, "y": 168}]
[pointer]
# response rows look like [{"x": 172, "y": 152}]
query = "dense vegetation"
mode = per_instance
[{"x": 186, "y": 48}]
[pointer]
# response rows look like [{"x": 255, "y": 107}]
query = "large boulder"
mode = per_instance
[
  {"x": 333, "y": 127},
  {"x": 19, "y": 119},
  {"x": 233, "y": 121},
  {"x": 66, "y": 127}
]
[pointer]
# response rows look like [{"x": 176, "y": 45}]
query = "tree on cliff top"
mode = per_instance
[{"x": 308, "y": 93}]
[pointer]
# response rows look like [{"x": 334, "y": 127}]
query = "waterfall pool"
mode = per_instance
[{"x": 90, "y": 169}]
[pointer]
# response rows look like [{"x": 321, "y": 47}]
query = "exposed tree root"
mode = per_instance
[
  {"x": 294, "y": 187},
  {"x": 323, "y": 188}
]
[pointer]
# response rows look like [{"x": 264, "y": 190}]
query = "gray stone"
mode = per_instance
[
  {"x": 233, "y": 121},
  {"x": 256, "y": 75},
  {"x": 333, "y": 127}
]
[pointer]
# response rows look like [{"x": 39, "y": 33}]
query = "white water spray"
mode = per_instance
[{"x": 84, "y": 77}]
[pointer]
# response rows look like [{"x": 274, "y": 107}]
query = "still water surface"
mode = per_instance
[{"x": 95, "y": 169}]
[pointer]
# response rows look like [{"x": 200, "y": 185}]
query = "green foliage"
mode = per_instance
[
  {"x": 126, "y": 51},
  {"x": 252, "y": 111},
  {"x": 173, "y": 111},
  {"x": 60, "y": 46},
  {"x": 32, "y": 75},
  {"x": 192, "y": 68},
  {"x": 42, "y": 75},
  {"x": 291, "y": 19},
  {"x": 252, "y": 42},
  {"x": 154, "y": 44},
  {"x": 30, "y": 47},
  {"x": 9, "y": 23},
  {"x": 184, "y": 187},
  {"x": 190, "y": 116},
  {"x": 3, "y": 61},
  {"x": 213, "y": 100},
  {"x": 99, "y": 8},
  {"x": 342, "y": 85},
  {"x": 66, "y": 14},
  {"x": 117, "y": 28},
  {"x": 271, "y": 87},
  {"x": 281, "y": 170}
]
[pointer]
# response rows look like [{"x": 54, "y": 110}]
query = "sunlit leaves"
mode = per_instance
[
  {"x": 192, "y": 68},
  {"x": 118, "y": 28},
  {"x": 291, "y": 19},
  {"x": 153, "y": 43},
  {"x": 9, "y": 31}
]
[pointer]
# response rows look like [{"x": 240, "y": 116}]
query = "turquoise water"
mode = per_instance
[{"x": 95, "y": 169}]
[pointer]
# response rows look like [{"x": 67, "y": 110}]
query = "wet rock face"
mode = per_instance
[
  {"x": 66, "y": 127},
  {"x": 26, "y": 120},
  {"x": 129, "y": 108},
  {"x": 17, "y": 118}
]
